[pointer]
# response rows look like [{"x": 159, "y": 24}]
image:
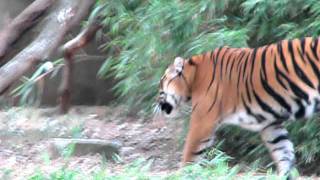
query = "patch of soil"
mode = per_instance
[{"x": 25, "y": 134}]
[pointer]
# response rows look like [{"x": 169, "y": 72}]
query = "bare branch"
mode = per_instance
[
  {"x": 21, "y": 23},
  {"x": 69, "y": 50},
  {"x": 64, "y": 16}
]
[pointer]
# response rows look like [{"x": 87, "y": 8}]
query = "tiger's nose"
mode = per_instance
[{"x": 166, "y": 107}]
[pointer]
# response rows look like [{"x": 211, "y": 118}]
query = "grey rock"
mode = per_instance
[
  {"x": 79, "y": 147},
  {"x": 126, "y": 151}
]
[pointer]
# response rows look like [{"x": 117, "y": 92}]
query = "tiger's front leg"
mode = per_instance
[
  {"x": 200, "y": 137},
  {"x": 275, "y": 137}
]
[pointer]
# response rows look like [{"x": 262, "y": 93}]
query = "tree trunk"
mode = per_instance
[
  {"x": 21, "y": 23},
  {"x": 62, "y": 18},
  {"x": 69, "y": 49}
]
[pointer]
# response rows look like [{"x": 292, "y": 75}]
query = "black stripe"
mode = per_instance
[
  {"x": 194, "y": 107},
  {"x": 214, "y": 63},
  {"x": 239, "y": 62},
  {"x": 301, "y": 48},
  {"x": 277, "y": 124},
  {"x": 211, "y": 55},
  {"x": 174, "y": 99},
  {"x": 266, "y": 107},
  {"x": 278, "y": 139},
  {"x": 315, "y": 47},
  {"x": 282, "y": 58},
  {"x": 263, "y": 64},
  {"x": 234, "y": 61},
  {"x": 277, "y": 71},
  {"x": 285, "y": 159},
  {"x": 295, "y": 88},
  {"x": 239, "y": 66},
  {"x": 248, "y": 110},
  {"x": 222, "y": 61},
  {"x": 229, "y": 60},
  {"x": 239, "y": 77},
  {"x": 216, "y": 55},
  {"x": 191, "y": 62},
  {"x": 231, "y": 68},
  {"x": 313, "y": 66},
  {"x": 199, "y": 152},
  {"x": 244, "y": 69},
  {"x": 297, "y": 69},
  {"x": 301, "y": 111},
  {"x": 205, "y": 141},
  {"x": 279, "y": 148},
  {"x": 277, "y": 97},
  {"x": 224, "y": 53},
  {"x": 221, "y": 68},
  {"x": 253, "y": 59},
  {"x": 215, "y": 98},
  {"x": 260, "y": 118},
  {"x": 303, "y": 44},
  {"x": 248, "y": 91}
]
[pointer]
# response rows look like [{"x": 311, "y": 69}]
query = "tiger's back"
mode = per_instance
[{"x": 267, "y": 84}]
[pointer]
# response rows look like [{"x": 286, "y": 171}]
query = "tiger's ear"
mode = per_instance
[{"x": 178, "y": 64}]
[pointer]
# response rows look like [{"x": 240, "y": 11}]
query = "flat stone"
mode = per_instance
[
  {"x": 79, "y": 147},
  {"x": 126, "y": 151}
]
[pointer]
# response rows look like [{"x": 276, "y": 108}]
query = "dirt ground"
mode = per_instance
[{"x": 25, "y": 134}]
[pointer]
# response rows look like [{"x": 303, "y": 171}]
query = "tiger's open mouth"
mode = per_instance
[{"x": 166, "y": 107}]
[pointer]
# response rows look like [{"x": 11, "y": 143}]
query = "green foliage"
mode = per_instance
[
  {"x": 28, "y": 92},
  {"x": 61, "y": 174},
  {"x": 217, "y": 168},
  {"x": 145, "y": 36}
]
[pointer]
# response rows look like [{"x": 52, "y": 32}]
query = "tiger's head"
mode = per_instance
[{"x": 176, "y": 85}]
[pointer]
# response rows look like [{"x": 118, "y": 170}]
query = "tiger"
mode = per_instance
[{"x": 258, "y": 89}]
